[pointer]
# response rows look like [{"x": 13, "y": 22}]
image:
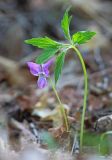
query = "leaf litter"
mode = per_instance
[{"x": 30, "y": 117}]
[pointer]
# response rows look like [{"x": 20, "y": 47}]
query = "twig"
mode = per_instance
[
  {"x": 75, "y": 147},
  {"x": 24, "y": 130}
]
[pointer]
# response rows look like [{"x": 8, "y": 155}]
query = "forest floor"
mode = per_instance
[{"x": 31, "y": 127}]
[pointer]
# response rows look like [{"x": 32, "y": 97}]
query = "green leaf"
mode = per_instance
[
  {"x": 42, "y": 42},
  {"x": 46, "y": 55},
  {"x": 48, "y": 139},
  {"x": 65, "y": 23},
  {"x": 58, "y": 65},
  {"x": 105, "y": 143},
  {"x": 82, "y": 37}
]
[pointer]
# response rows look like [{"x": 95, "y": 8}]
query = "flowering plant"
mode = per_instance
[{"x": 52, "y": 48}]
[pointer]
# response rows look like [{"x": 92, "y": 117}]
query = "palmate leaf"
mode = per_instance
[
  {"x": 65, "y": 23},
  {"x": 82, "y": 37},
  {"x": 44, "y": 42},
  {"x": 46, "y": 55},
  {"x": 58, "y": 65}
]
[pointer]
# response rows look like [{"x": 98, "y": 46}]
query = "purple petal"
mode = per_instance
[
  {"x": 42, "y": 82},
  {"x": 48, "y": 63},
  {"x": 34, "y": 68},
  {"x": 46, "y": 66},
  {"x": 46, "y": 72}
]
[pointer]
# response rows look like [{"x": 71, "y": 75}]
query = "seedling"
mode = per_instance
[{"x": 58, "y": 51}]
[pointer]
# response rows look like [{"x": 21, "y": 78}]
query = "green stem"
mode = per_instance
[
  {"x": 61, "y": 107},
  {"x": 85, "y": 94}
]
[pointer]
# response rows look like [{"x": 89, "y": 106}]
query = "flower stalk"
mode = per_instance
[
  {"x": 85, "y": 94},
  {"x": 64, "y": 115}
]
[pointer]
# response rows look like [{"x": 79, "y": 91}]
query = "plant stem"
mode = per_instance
[
  {"x": 85, "y": 95},
  {"x": 64, "y": 115}
]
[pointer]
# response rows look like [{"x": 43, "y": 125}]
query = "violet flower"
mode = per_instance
[{"x": 42, "y": 71}]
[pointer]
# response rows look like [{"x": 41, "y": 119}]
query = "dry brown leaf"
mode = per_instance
[{"x": 47, "y": 114}]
